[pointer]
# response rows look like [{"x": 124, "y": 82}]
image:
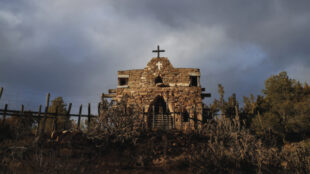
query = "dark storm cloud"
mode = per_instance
[
  {"x": 279, "y": 29},
  {"x": 74, "y": 47}
]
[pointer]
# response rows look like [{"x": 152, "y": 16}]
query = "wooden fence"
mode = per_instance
[{"x": 44, "y": 114}]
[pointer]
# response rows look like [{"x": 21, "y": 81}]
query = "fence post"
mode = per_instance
[
  {"x": 79, "y": 119},
  {"x": 88, "y": 115},
  {"x": 39, "y": 120},
  {"x": 22, "y": 110},
  {"x": 48, "y": 99},
  {"x": 1, "y": 91},
  {"x": 45, "y": 113},
  {"x": 4, "y": 113},
  {"x": 44, "y": 120},
  {"x": 67, "y": 116}
]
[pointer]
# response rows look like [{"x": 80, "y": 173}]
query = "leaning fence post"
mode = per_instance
[
  {"x": 4, "y": 113},
  {"x": 1, "y": 91},
  {"x": 79, "y": 119},
  {"x": 88, "y": 123},
  {"x": 68, "y": 116},
  {"x": 48, "y": 99}
]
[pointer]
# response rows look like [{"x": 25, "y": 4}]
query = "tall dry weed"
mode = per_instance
[{"x": 231, "y": 148}]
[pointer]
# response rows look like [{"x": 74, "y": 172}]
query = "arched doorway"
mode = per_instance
[
  {"x": 159, "y": 115},
  {"x": 158, "y": 79}
]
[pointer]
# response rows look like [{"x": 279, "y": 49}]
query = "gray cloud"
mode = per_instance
[{"x": 74, "y": 48}]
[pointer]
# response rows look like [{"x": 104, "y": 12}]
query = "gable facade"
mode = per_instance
[{"x": 170, "y": 97}]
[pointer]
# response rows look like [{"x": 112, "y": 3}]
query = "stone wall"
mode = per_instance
[{"x": 174, "y": 86}]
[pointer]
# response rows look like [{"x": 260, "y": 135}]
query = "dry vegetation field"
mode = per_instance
[{"x": 222, "y": 146}]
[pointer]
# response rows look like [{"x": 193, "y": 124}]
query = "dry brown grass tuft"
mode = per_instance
[{"x": 233, "y": 149}]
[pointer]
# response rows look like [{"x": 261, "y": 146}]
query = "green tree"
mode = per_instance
[
  {"x": 284, "y": 109},
  {"x": 58, "y": 106}
]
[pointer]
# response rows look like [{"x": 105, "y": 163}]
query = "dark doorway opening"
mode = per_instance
[{"x": 159, "y": 115}]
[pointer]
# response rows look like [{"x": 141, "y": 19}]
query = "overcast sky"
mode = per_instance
[{"x": 74, "y": 48}]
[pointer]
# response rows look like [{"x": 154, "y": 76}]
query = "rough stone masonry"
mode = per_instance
[{"x": 170, "y": 97}]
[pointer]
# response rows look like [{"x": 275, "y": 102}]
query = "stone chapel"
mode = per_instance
[{"x": 169, "y": 97}]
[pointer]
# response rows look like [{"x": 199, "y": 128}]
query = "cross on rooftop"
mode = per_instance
[{"x": 158, "y": 51}]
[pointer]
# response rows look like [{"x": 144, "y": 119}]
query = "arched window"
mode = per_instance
[{"x": 158, "y": 79}]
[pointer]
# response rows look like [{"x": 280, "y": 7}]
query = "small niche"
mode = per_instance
[
  {"x": 158, "y": 79},
  {"x": 193, "y": 81},
  {"x": 122, "y": 81}
]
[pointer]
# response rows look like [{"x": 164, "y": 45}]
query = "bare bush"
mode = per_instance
[
  {"x": 119, "y": 123},
  {"x": 233, "y": 149}
]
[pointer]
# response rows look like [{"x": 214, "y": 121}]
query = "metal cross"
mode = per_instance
[{"x": 158, "y": 51}]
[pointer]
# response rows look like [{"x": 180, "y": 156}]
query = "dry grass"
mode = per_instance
[
  {"x": 232, "y": 149},
  {"x": 120, "y": 143}
]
